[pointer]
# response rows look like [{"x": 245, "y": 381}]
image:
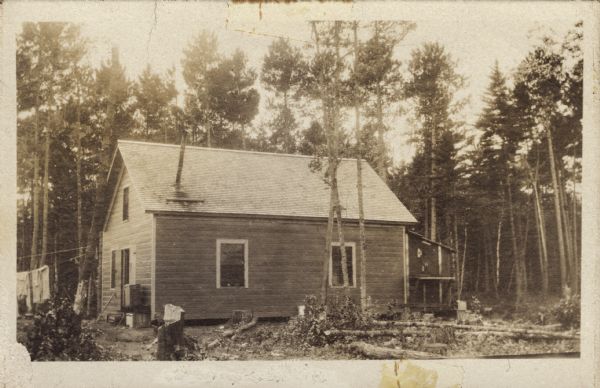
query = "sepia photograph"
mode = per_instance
[{"x": 251, "y": 188}]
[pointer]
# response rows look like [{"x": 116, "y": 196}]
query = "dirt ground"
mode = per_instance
[
  {"x": 137, "y": 344},
  {"x": 267, "y": 341},
  {"x": 273, "y": 340}
]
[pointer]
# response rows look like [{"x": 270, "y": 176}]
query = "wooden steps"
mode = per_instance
[{"x": 115, "y": 318}]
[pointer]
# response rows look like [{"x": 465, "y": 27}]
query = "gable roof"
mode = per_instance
[{"x": 225, "y": 181}]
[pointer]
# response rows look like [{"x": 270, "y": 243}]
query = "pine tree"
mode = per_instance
[
  {"x": 549, "y": 81},
  {"x": 154, "y": 99},
  {"x": 233, "y": 99},
  {"x": 378, "y": 74},
  {"x": 499, "y": 142},
  {"x": 200, "y": 56},
  {"x": 283, "y": 72},
  {"x": 431, "y": 85}
]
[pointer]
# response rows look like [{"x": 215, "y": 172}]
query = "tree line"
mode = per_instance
[{"x": 503, "y": 190}]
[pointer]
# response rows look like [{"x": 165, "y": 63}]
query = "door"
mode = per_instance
[{"x": 124, "y": 274}]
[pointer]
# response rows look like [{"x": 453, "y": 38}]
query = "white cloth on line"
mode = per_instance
[{"x": 34, "y": 285}]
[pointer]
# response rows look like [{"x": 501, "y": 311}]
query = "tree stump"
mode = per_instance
[
  {"x": 170, "y": 335},
  {"x": 241, "y": 316}
]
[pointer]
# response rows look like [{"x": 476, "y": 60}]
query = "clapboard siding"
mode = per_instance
[
  {"x": 136, "y": 234},
  {"x": 284, "y": 264}
]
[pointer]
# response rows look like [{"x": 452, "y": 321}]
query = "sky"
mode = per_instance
[{"x": 157, "y": 33}]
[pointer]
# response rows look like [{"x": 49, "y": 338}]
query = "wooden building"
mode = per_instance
[{"x": 242, "y": 231}]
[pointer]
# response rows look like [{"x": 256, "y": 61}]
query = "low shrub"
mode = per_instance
[
  {"x": 311, "y": 327},
  {"x": 58, "y": 334},
  {"x": 475, "y": 305},
  {"x": 340, "y": 313},
  {"x": 567, "y": 311},
  {"x": 343, "y": 313}
]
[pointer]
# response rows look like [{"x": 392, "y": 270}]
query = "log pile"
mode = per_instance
[
  {"x": 505, "y": 331},
  {"x": 383, "y": 353},
  {"x": 231, "y": 332}
]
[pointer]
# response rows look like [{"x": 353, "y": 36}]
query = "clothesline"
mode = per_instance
[
  {"x": 73, "y": 259},
  {"x": 49, "y": 253}
]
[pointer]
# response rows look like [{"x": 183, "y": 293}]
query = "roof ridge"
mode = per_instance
[{"x": 222, "y": 149}]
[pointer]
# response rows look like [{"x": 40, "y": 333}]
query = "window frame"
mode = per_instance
[
  {"x": 125, "y": 209},
  {"x": 129, "y": 266},
  {"x": 218, "y": 263},
  {"x": 352, "y": 245}
]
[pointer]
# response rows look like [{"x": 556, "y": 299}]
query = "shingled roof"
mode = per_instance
[{"x": 251, "y": 183}]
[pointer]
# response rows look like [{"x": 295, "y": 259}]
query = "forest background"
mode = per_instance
[{"x": 496, "y": 175}]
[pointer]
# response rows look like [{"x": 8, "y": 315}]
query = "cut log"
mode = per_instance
[
  {"x": 499, "y": 329},
  {"x": 436, "y": 347},
  {"x": 232, "y": 332},
  {"x": 377, "y": 333},
  {"x": 149, "y": 346},
  {"x": 381, "y": 353},
  {"x": 364, "y": 333},
  {"x": 213, "y": 344},
  {"x": 505, "y": 334}
]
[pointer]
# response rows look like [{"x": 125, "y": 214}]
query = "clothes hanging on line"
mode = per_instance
[
  {"x": 23, "y": 289},
  {"x": 34, "y": 285}
]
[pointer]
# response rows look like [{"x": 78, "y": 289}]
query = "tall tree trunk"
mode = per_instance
[
  {"x": 329, "y": 231},
  {"x": 433, "y": 205},
  {"x": 577, "y": 269},
  {"x": 328, "y": 238},
  {"x": 461, "y": 274},
  {"x": 78, "y": 177},
  {"x": 513, "y": 234},
  {"x": 54, "y": 279},
  {"x": 557, "y": 212},
  {"x": 338, "y": 214},
  {"x": 523, "y": 258},
  {"x": 108, "y": 142},
  {"x": 540, "y": 226},
  {"x": 99, "y": 275},
  {"x": 336, "y": 154},
  {"x": 208, "y": 135},
  {"x": 46, "y": 203},
  {"x": 498, "y": 239},
  {"x": 486, "y": 263},
  {"x": 359, "y": 186},
  {"x": 243, "y": 136},
  {"x": 542, "y": 245},
  {"x": 35, "y": 200},
  {"x": 569, "y": 243},
  {"x": 566, "y": 225},
  {"x": 381, "y": 170},
  {"x": 87, "y": 261}
]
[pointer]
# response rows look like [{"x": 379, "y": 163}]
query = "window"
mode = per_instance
[
  {"x": 125, "y": 265},
  {"x": 336, "y": 278},
  {"x": 125, "y": 203},
  {"x": 232, "y": 263},
  {"x": 113, "y": 268}
]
